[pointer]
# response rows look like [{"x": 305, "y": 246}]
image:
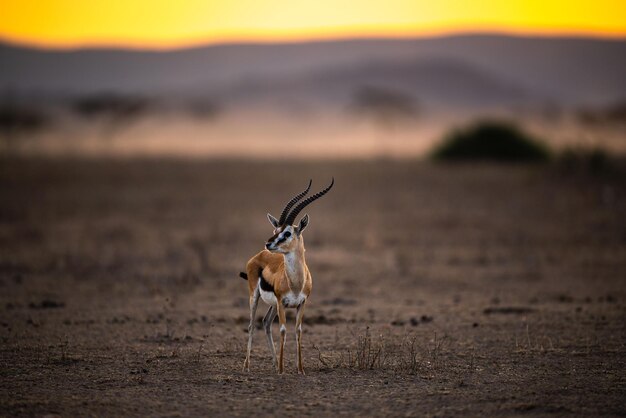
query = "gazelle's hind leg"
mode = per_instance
[
  {"x": 267, "y": 324},
  {"x": 254, "y": 301},
  {"x": 299, "y": 317}
]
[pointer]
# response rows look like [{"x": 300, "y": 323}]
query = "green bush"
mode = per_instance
[{"x": 492, "y": 141}]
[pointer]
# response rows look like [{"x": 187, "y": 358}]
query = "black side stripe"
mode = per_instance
[{"x": 265, "y": 286}]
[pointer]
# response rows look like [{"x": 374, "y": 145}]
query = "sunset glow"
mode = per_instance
[{"x": 167, "y": 24}]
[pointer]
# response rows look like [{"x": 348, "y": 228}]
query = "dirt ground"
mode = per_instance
[{"x": 438, "y": 290}]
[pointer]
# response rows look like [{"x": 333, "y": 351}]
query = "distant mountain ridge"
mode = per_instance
[
  {"x": 436, "y": 81},
  {"x": 463, "y": 69}
]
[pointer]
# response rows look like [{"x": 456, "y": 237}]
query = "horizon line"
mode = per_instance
[{"x": 303, "y": 39}]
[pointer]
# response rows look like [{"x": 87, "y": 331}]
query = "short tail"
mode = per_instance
[{"x": 243, "y": 275}]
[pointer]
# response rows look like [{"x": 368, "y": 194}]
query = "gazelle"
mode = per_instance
[{"x": 280, "y": 276}]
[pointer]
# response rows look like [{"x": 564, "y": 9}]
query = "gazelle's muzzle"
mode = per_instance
[{"x": 271, "y": 242}]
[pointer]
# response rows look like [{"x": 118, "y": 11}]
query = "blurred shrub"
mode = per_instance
[
  {"x": 587, "y": 161},
  {"x": 202, "y": 109},
  {"x": 494, "y": 141},
  {"x": 612, "y": 114},
  {"x": 116, "y": 106},
  {"x": 617, "y": 112},
  {"x": 383, "y": 104},
  {"x": 17, "y": 119}
]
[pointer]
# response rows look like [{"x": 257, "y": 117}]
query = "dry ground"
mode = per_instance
[{"x": 438, "y": 290}]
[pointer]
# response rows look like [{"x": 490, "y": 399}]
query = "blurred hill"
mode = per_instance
[{"x": 461, "y": 71}]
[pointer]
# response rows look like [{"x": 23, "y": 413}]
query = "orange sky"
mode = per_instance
[{"x": 166, "y": 23}]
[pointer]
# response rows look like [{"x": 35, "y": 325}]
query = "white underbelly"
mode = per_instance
[{"x": 268, "y": 297}]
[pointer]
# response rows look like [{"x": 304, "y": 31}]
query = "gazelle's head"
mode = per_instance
[{"x": 288, "y": 236}]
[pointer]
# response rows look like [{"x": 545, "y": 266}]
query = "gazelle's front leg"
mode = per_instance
[
  {"x": 254, "y": 301},
  {"x": 299, "y": 316},
  {"x": 267, "y": 323},
  {"x": 283, "y": 331}
]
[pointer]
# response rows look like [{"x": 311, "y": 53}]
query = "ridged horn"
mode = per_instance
[
  {"x": 294, "y": 213},
  {"x": 292, "y": 202}
]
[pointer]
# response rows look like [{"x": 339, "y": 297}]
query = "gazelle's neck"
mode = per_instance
[{"x": 295, "y": 267}]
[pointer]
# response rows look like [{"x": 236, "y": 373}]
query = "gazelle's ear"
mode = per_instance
[
  {"x": 273, "y": 221},
  {"x": 303, "y": 223}
]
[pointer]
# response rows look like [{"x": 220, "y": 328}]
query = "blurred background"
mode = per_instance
[
  {"x": 473, "y": 246},
  {"x": 296, "y": 79}
]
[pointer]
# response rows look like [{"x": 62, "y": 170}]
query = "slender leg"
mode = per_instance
[
  {"x": 299, "y": 316},
  {"x": 283, "y": 331},
  {"x": 254, "y": 301},
  {"x": 267, "y": 323}
]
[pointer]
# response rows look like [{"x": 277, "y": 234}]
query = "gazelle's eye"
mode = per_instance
[{"x": 287, "y": 234}]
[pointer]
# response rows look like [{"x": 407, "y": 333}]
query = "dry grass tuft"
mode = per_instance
[{"x": 406, "y": 354}]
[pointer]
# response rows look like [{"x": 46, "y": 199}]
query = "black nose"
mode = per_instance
[{"x": 268, "y": 245}]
